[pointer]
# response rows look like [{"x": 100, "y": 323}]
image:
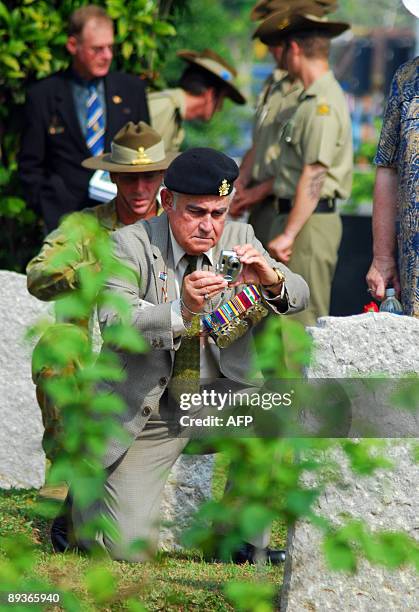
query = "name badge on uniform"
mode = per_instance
[{"x": 55, "y": 129}]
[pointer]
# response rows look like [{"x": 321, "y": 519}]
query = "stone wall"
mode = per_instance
[
  {"x": 22, "y": 460},
  {"x": 388, "y": 500}
]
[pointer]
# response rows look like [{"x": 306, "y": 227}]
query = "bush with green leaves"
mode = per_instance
[{"x": 32, "y": 46}]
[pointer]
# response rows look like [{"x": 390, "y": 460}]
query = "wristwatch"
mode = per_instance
[{"x": 280, "y": 281}]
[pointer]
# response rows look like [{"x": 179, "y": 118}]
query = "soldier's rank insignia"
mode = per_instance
[
  {"x": 283, "y": 24},
  {"x": 223, "y": 189},
  {"x": 323, "y": 109}
]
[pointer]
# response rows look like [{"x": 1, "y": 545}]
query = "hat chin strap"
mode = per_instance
[{"x": 137, "y": 157}]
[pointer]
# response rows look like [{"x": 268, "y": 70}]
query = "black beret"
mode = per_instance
[{"x": 202, "y": 171}]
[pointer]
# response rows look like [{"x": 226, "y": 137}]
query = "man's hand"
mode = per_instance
[
  {"x": 243, "y": 200},
  {"x": 256, "y": 270},
  {"x": 383, "y": 273},
  {"x": 280, "y": 248},
  {"x": 246, "y": 197},
  {"x": 200, "y": 286}
]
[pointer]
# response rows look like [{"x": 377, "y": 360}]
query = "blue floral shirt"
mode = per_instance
[{"x": 399, "y": 148}]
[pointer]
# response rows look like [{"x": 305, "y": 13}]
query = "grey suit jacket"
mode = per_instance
[{"x": 146, "y": 248}]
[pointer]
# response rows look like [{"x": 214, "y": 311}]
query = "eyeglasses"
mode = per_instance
[
  {"x": 96, "y": 50},
  {"x": 100, "y": 50}
]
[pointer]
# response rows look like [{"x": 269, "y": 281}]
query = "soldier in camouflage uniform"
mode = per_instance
[
  {"x": 276, "y": 104},
  {"x": 204, "y": 84},
  {"x": 138, "y": 177}
]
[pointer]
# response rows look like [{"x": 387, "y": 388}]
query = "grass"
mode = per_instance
[{"x": 174, "y": 582}]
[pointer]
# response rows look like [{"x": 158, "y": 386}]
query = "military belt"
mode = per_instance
[{"x": 325, "y": 205}]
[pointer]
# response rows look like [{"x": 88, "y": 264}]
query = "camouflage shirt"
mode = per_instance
[
  {"x": 47, "y": 282},
  {"x": 167, "y": 111}
]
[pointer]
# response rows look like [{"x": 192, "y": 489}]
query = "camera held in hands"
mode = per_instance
[{"x": 229, "y": 266}]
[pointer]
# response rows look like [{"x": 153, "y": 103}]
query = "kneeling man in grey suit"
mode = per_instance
[{"x": 174, "y": 283}]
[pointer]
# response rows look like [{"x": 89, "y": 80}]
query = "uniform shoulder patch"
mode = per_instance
[{"x": 323, "y": 109}]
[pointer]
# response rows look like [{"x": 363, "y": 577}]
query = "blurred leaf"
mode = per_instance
[
  {"x": 104, "y": 403},
  {"x": 361, "y": 458},
  {"x": 126, "y": 338},
  {"x": 10, "y": 62},
  {"x": 164, "y": 29},
  {"x": 4, "y": 13},
  {"x": 11, "y": 207},
  {"x": 251, "y": 597},
  {"x": 339, "y": 554},
  {"x": 299, "y": 502},
  {"x": 254, "y": 519},
  {"x": 101, "y": 583},
  {"x": 127, "y": 49}
]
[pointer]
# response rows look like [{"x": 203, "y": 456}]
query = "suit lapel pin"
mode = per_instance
[
  {"x": 116, "y": 99},
  {"x": 163, "y": 276}
]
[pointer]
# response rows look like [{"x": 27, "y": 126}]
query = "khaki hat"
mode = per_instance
[
  {"x": 283, "y": 23},
  {"x": 135, "y": 148},
  {"x": 214, "y": 64},
  {"x": 264, "y": 8}
]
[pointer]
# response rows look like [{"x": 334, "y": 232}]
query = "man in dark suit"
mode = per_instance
[{"x": 74, "y": 114}]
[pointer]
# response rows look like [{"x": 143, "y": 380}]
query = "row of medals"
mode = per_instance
[{"x": 229, "y": 333}]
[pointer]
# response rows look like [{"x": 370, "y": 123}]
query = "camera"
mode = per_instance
[{"x": 229, "y": 266}]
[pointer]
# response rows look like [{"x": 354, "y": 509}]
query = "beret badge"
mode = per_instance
[
  {"x": 283, "y": 24},
  {"x": 224, "y": 188}
]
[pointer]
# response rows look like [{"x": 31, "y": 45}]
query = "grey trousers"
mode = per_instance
[{"x": 134, "y": 489}]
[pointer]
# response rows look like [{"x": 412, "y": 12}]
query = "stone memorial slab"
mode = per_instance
[
  {"x": 22, "y": 460},
  {"x": 359, "y": 346}
]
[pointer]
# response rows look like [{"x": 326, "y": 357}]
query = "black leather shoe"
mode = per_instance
[
  {"x": 250, "y": 554},
  {"x": 247, "y": 553},
  {"x": 59, "y": 534}
]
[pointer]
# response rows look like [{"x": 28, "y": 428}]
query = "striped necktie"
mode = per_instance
[
  {"x": 186, "y": 368},
  {"x": 95, "y": 136}
]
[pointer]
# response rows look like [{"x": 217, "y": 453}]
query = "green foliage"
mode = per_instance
[
  {"x": 101, "y": 583},
  {"x": 252, "y": 597},
  {"x": 32, "y": 46},
  {"x": 389, "y": 549}
]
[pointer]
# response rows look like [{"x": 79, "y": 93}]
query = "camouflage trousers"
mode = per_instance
[{"x": 47, "y": 368}]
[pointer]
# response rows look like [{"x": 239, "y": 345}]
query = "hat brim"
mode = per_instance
[
  {"x": 263, "y": 9},
  {"x": 232, "y": 91},
  {"x": 104, "y": 162},
  {"x": 270, "y": 33}
]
